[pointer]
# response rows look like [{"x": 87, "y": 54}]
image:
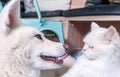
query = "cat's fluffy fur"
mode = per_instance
[{"x": 100, "y": 56}]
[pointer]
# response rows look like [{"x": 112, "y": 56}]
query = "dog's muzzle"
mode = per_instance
[{"x": 56, "y": 60}]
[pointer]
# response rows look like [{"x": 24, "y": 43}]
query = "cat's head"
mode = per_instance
[{"x": 101, "y": 42}]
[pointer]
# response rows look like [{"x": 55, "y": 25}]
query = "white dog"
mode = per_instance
[{"x": 24, "y": 51}]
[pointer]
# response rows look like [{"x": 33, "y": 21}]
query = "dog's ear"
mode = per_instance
[{"x": 10, "y": 16}]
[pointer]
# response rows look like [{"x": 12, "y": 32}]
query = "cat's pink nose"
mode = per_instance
[{"x": 66, "y": 46}]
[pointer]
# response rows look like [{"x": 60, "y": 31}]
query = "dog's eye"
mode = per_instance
[{"x": 38, "y": 36}]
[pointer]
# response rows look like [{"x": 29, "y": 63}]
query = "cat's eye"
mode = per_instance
[
  {"x": 91, "y": 46},
  {"x": 38, "y": 36}
]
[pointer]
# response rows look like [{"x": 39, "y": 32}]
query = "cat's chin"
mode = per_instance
[{"x": 90, "y": 57}]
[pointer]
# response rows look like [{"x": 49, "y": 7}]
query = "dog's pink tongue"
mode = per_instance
[{"x": 58, "y": 59}]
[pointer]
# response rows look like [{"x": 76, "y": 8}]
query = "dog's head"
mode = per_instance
[{"x": 26, "y": 43}]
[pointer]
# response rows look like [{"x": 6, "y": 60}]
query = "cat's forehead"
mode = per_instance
[{"x": 94, "y": 35}]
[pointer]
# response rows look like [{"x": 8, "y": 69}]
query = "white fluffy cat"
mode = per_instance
[{"x": 101, "y": 54}]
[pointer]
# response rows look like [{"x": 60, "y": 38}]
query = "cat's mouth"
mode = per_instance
[{"x": 54, "y": 59}]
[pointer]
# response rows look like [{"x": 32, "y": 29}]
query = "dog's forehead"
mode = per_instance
[
  {"x": 27, "y": 31},
  {"x": 27, "y": 28}
]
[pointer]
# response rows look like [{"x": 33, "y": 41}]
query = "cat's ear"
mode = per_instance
[
  {"x": 110, "y": 35},
  {"x": 94, "y": 26},
  {"x": 10, "y": 16}
]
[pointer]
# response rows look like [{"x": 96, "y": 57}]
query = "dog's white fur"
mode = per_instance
[
  {"x": 20, "y": 50},
  {"x": 101, "y": 54}
]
